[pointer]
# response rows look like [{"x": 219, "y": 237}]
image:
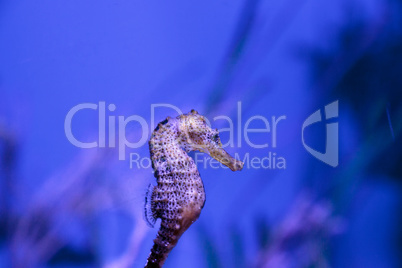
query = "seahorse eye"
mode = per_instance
[{"x": 215, "y": 138}]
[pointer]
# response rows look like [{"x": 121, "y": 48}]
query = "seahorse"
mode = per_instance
[{"x": 179, "y": 195}]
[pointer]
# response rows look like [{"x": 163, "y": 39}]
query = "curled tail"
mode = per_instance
[
  {"x": 165, "y": 241},
  {"x": 169, "y": 233}
]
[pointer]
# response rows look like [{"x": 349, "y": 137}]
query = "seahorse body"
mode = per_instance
[{"x": 179, "y": 195}]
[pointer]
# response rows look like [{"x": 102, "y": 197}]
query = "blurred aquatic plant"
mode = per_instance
[
  {"x": 8, "y": 159},
  {"x": 58, "y": 225},
  {"x": 302, "y": 238},
  {"x": 362, "y": 69}
]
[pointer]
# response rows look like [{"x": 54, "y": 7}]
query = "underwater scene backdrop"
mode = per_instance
[{"x": 306, "y": 93}]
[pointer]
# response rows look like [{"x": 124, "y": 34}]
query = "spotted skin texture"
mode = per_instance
[{"x": 179, "y": 195}]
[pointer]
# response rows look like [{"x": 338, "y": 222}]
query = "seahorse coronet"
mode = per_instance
[{"x": 179, "y": 195}]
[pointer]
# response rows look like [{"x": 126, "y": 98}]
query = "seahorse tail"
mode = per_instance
[{"x": 164, "y": 242}]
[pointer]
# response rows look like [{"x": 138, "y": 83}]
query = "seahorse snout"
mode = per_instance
[{"x": 226, "y": 159}]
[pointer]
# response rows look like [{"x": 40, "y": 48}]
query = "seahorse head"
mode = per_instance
[{"x": 199, "y": 136}]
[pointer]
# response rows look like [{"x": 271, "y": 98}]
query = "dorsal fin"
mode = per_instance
[{"x": 148, "y": 213}]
